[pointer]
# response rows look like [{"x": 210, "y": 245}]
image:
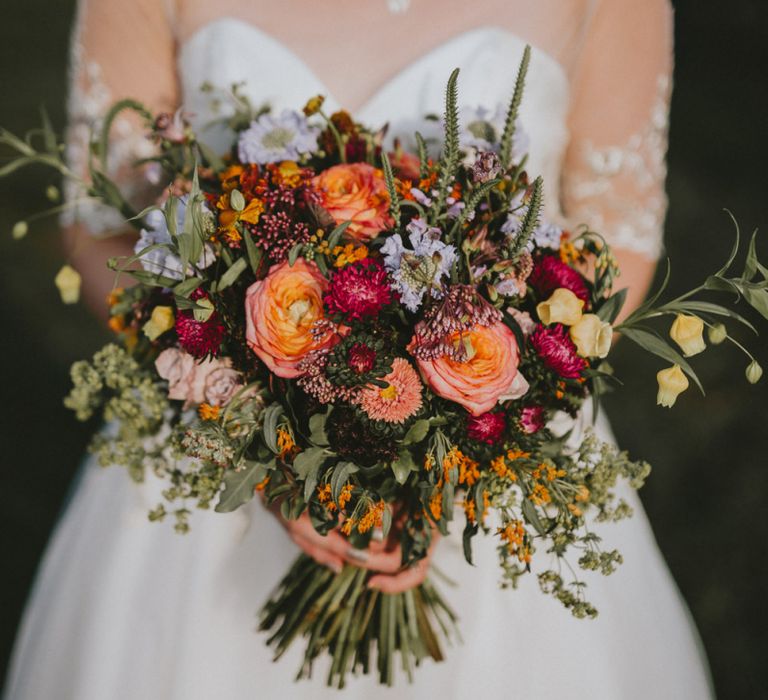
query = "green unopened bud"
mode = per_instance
[
  {"x": 717, "y": 333},
  {"x": 236, "y": 200},
  {"x": 52, "y": 192},
  {"x": 754, "y": 372},
  {"x": 203, "y": 311},
  {"x": 20, "y": 229}
]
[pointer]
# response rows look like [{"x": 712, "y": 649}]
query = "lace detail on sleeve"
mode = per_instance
[
  {"x": 90, "y": 99},
  {"x": 118, "y": 50},
  {"x": 619, "y": 189}
]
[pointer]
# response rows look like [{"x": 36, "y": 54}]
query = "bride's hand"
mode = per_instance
[{"x": 384, "y": 557}]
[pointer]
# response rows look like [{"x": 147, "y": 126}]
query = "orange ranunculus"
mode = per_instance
[
  {"x": 280, "y": 311},
  {"x": 356, "y": 192},
  {"x": 489, "y": 375}
]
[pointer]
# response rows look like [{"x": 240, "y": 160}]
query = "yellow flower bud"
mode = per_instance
[
  {"x": 717, "y": 333},
  {"x": 20, "y": 229},
  {"x": 754, "y": 372},
  {"x": 592, "y": 336},
  {"x": 672, "y": 383},
  {"x": 313, "y": 105},
  {"x": 52, "y": 192},
  {"x": 162, "y": 320},
  {"x": 68, "y": 282},
  {"x": 688, "y": 333},
  {"x": 562, "y": 307}
]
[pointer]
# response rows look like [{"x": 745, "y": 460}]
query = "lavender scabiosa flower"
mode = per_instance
[
  {"x": 270, "y": 139},
  {"x": 161, "y": 260},
  {"x": 422, "y": 269}
]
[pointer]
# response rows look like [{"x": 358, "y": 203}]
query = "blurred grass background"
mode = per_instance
[{"x": 709, "y": 487}]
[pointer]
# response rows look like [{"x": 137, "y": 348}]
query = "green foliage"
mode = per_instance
[{"x": 508, "y": 135}]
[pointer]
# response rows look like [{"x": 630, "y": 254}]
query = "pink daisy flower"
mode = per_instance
[{"x": 399, "y": 400}]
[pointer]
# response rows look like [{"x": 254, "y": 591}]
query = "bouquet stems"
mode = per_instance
[{"x": 339, "y": 614}]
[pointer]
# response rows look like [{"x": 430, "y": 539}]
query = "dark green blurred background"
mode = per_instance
[{"x": 708, "y": 493}]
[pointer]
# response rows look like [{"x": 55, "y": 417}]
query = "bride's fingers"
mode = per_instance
[
  {"x": 401, "y": 581},
  {"x": 319, "y": 554}
]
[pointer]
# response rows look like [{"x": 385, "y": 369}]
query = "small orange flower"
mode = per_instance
[
  {"x": 349, "y": 253},
  {"x": 114, "y": 296},
  {"x": 117, "y": 323},
  {"x": 208, "y": 412}
]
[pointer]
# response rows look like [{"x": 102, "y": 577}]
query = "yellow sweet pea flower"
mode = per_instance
[
  {"x": 68, "y": 282},
  {"x": 162, "y": 320},
  {"x": 562, "y": 307},
  {"x": 672, "y": 383},
  {"x": 717, "y": 333},
  {"x": 688, "y": 333},
  {"x": 591, "y": 336}
]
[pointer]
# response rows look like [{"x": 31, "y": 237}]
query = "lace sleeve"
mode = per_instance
[
  {"x": 118, "y": 50},
  {"x": 615, "y": 167}
]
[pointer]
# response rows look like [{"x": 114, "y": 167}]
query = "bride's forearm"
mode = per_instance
[
  {"x": 636, "y": 275},
  {"x": 88, "y": 255}
]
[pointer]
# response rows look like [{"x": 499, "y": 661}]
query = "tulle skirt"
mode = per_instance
[{"x": 125, "y": 609}]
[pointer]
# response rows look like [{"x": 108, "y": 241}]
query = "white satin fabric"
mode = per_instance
[{"x": 127, "y": 610}]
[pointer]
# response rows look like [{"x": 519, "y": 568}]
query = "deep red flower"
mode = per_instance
[
  {"x": 199, "y": 338},
  {"x": 361, "y": 358},
  {"x": 532, "y": 419},
  {"x": 550, "y": 273},
  {"x": 556, "y": 348},
  {"x": 358, "y": 290},
  {"x": 487, "y": 427}
]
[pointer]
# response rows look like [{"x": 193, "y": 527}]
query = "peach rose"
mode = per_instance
[
  {"x": 356, "y": 192},
  {"x": 489, "y": 375},
  {"x": 280, "y": 311}
]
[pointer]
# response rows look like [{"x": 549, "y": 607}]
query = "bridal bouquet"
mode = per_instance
[{"x": 380, "y": 339}]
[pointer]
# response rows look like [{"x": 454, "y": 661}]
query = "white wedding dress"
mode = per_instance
[{"x": 127, "y": 610}]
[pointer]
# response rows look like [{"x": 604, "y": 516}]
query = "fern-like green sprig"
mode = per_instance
[
  {"x": 423, "y": 157},
  {"x": 508, "y": 135},
  {"x": 449, "y": 161},
  {"x": 531, "y": 219},
  {"x": 394, "y": 197}
]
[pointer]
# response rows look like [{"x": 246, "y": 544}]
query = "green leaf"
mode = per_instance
[
  {"x": 707, "y": 307},
  {"x": 734, "y": 250},
  {"x": 307, "y": 467},
  {"x": 269, "y": 429},
  {"x": 751, "y": 263},
  {"x": 470, "y": 530},
  {"x": 654, "y": 344},
  {"x": 403, "y": 466},
  {"x": 294, "y": 253},
  {"x": 757, "y": 297},
  {"x": 386, "y": 521},
  {"x": 337, "y": 233},
  {"x": 341, "y": 473},
  {"x": 317, "y": 434},
  {"x": 417, "y": 432},
  {"x": 612, "y": 307},
  {"x": 231, "y": 275},
  {"x": 189, "y": 285},
  {"x": 530, "y": 514},
  {"x": 254, "y": 253},
  {"x": 239, "y": 485}
]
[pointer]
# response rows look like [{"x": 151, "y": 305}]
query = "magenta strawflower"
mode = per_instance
[
  {"x": 358, "y": 290},
  {"x": 532, "y": 419},
  {"x": 199, "y": 338},
  {"x": 556, "y": 348},
  {"x": 487, "y": 427},
  {"x": 550, "y": 273}
]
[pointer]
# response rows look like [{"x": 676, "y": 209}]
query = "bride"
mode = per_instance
[{"x": 126, "y": 609}]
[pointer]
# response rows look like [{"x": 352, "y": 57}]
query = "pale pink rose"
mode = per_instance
[
  {"x": 489, "y": 376},
  {"x": 215, "y": 382},
  {"x": 212, "y": 381},
  {"x": 178, "y": 368},
  {"x": 281, "y": 310}
]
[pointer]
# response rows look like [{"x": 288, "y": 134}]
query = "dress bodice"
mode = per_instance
[{"x": 229, "y": 51}]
